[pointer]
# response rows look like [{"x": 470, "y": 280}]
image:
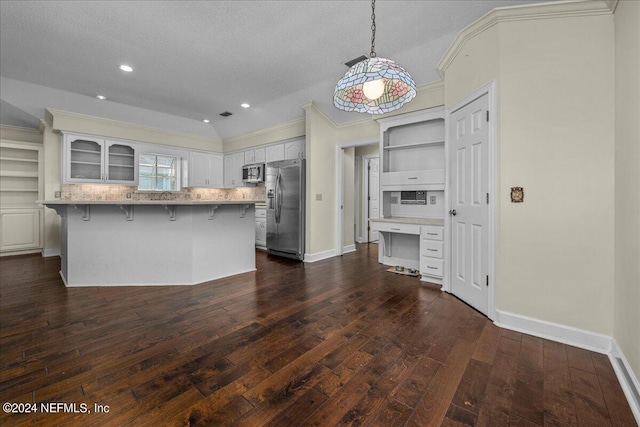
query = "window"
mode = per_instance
[{"x": 158, "y": 172}]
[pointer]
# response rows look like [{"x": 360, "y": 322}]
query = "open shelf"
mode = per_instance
[
  {"x": 412, "y": 145},
  {"x": 17, "y": 159},
  {"x": 19, "y": 174},
  {"x": 19, "y": 190}
]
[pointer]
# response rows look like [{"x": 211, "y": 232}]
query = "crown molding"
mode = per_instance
[
  {"x": 75, "y": 122},
  {"x": 280, "y": 132},
  {"x": 561, "y": 9}
]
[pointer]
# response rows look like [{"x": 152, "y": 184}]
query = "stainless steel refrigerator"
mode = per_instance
[{"x": 285, "y": 182}]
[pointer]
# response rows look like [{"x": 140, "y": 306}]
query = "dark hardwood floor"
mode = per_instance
[{"x": 337, "y": 342}]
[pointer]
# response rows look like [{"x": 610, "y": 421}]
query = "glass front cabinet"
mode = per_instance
[{"x": 89, "y": 159}]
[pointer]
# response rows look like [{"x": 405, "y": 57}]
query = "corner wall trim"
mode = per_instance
[
  {"x": 319, "y": 255},
  {"x": 554, "y": 331},
  {"x": 628, "y": 381}
]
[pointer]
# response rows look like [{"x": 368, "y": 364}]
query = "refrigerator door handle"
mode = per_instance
[{"x": 278, "y": 198}]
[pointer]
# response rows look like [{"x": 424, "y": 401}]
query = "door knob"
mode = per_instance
[{"x": 453, "y": 212}]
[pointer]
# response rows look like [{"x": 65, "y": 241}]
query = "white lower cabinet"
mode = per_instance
[
  {"x": 432, "y": 251},
  {"x": 20, "y": 230},
  {"x": 261, "y": 228}
]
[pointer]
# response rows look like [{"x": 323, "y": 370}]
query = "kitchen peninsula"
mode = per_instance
[{"x": 154, "y": 242}]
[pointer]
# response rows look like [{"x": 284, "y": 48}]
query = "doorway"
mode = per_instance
[{"x": 348, "y": 210}]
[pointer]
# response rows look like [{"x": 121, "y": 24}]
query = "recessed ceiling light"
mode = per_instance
[
  {"x": 126, "y": 68},
  {"x": 245, "y": 105},
  {"x": 206, "y": 120},
  {"x": 101, "y": 97}
]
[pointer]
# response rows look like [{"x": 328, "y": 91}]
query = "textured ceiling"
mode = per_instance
[{"x": 196, "y": 59}]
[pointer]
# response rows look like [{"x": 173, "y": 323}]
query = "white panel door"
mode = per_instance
[
  {"x": 374, "y": 193},
  {"x": 468, "y": 165}
]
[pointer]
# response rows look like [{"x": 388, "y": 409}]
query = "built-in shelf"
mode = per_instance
[
  {"x": 121, "y": 154},
  {"x": 85, "y": 163},
  {"x": 412, "y": 145},
  {"x": 19, "y": 174},
  {"x": 120, "y": 166},
  {"x": 78, "y": 150},
  {"x": 17, "y": 159},
  {"x": 21, "y": 186}
]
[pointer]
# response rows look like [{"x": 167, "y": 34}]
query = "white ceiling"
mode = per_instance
[{"x": 196, "y": 59}]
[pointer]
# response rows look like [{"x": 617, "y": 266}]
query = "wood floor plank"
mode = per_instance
[{"x": 337, "y": 342}]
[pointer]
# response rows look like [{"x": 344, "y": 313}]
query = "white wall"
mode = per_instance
[
  {"x": 627, "y": 188},
  {"x": 555, "y": 139}
]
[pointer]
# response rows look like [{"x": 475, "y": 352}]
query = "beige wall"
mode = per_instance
[
  {"x": 555, "y": 138},
  {"x": 627, "y": 189}
]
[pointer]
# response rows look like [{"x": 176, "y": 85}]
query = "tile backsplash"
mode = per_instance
[{"x": 120, "y": 192}]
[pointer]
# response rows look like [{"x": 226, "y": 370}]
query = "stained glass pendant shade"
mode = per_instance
[{"x": 374, "y": 85}]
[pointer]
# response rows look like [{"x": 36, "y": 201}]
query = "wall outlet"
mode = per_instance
[
  {"x": 198, "y": 196},
  {"x": 128, "y": 195},
  {"x": 432, "y": 200},
  {"x": 319, "y": 197},
  {"x": 57, "y": 194}
]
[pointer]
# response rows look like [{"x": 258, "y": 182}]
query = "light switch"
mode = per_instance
[
  {"x": 319, "y": 197},
  {"x": 432, "y": 200}
]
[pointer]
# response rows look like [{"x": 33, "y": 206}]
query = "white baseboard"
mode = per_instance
[
  {"x": 554, "y": 332},
  {"x": 46, "y": 253},
  {"x": 319, "y": 255},
  {"x": 348, "y": 248},
  {"x": 361, "y": 240},
  {"x": 627, "y": 378}
]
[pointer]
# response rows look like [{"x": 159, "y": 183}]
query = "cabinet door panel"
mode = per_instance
[
  {"x": 260, "y": 155},
  {"x": 216, "y": 178},
  {"x": 20, "y": 229},
  {"x": 122, "y": 165},
  {"x": 85, "y": 162},
  {"x": 248, "y": 157},
  {"x": 275, "y": 153},
  {"x": 293, "y": 150}
]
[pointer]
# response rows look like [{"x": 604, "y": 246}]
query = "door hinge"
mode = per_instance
[
  {"x": 369, "y": 167},
  {"x": 487, "y": 198},
  {"x": 368, "y": 197},
  {"x": 487, "y": 280},
  {"x": 487, "y": 115}
]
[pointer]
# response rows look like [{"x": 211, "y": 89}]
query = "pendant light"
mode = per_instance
[{"x": 374, "y": 85}]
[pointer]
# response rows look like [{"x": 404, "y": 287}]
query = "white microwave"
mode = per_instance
[{"x": 253, "y": 173}]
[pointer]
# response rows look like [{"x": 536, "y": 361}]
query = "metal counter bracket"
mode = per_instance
[{"x": 243, "y": 210}]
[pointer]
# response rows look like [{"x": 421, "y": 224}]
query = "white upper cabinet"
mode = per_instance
[
  {"x": 205, "y": 169},
  {"x": 233, "y": 164},
  {"x": 90, "y": 159},
  {"x": 254, "y": 156},
  {"x": 275, "y": 153},
  {"x": 294, "y": 149}
]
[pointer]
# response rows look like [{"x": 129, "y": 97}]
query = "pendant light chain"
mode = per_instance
[{"x": 373, "y": 29}]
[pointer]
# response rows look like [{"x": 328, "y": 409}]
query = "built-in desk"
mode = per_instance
[{"x": 412, "y": 243}]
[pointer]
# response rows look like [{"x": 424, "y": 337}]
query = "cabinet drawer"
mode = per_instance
[
  {"x": 261, "y": 213},
  {"x": 431, "y": 266},
  {"x": 431, "y": 248},
  {"x": 413, "y": 178},
  {"x": 394, "y": 227},
  {"x": 432, "y": 232}
]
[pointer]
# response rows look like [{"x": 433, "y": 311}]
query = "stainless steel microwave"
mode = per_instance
[{"x": 253, "y": 173}]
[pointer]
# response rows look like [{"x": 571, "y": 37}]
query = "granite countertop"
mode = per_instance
[
  {"x": 149, "y": 202},
  {"x": 406, "y": 220}
]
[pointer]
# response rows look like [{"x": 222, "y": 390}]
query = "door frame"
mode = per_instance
[
  {"x": 365, "y": 192},
  {"x": 490, "y": 89},
  {"x": 339, "y": 189}
]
